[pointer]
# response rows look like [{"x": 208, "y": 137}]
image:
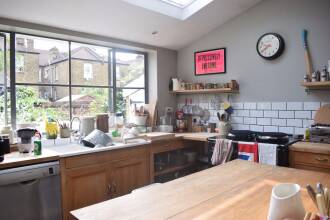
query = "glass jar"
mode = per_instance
[{"x": 119, "y": 120}]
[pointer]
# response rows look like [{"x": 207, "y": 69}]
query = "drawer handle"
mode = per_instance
[
  {"x": 322, "y": 159},
  {"x": 109, "y": 189}
]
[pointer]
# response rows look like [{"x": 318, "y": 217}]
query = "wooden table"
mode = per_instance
[{"x": 236, "y": 190}]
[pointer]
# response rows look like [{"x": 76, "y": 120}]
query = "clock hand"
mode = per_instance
[{"x": 265, "y": 48}]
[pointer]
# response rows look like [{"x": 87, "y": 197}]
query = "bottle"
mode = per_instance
[{"x": 37, "y": 144}]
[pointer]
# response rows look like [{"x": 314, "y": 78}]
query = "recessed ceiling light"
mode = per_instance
[
  {"x": 180, "y": 9},
  {"x": 179, "y": 3}
]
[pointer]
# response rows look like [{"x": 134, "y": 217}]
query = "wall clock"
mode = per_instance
[{"x": 270, "y": 46}]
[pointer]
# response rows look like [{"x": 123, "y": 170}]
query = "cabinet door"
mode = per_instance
[
  {"x": 87, "y": 185},
  {"x": 128, "y": 174}
]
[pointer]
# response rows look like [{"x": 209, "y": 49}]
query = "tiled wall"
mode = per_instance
[{"x": 287, "y": 117}]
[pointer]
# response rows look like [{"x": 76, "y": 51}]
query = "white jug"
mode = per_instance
[{"x": 286, "y": 202}]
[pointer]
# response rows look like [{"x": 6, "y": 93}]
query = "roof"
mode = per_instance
[
  {"x": 76, "y": 98},
  {"x": 79, "y": 53}
]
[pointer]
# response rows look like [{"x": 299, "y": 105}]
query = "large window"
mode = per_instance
[
  {"x": 60, "y": 79},
  {"x": 130, "y": 79}
]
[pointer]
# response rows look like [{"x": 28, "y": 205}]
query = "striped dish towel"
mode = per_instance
[{"x": 222, "y": 151}]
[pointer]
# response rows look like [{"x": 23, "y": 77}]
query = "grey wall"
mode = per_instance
[
  {"x": 167, "y": 66},
  {"x": 262, "y": 80}
]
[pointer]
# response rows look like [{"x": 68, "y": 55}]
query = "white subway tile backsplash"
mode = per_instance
[
  {"x": 312, "y": 105},
  {"x": 264, "y": 121},
  {"x": 278, "y": 122},
  {"x": 242, "y": 127},
  {"x": 270, "y": 129},
  {"x": 303, "y": 114},
  {"x": 213, "y": 119},
  {"x": 271, "y": 114},
  {"x": 257, "y": 113},
  {"x": 250, "y": 121},
  {"x": 250, "y": 105},
  {"x": 294, "y": 122},
  {"x": 257, "y": 128},
  {"x": 244, "y": 113},
  {"x": 299, "y": 130},
  {"x": 237, "y": 120},
  {"x": 287, "y": 130},
  {"x": 204, "y": 105},
  {"x": 313, "y": 114},
  {"x": 287, "y": 117},
  {"x": 264, "y": 105},
  {"x": 278, "y": 105},
  {"x": 307, "y": 123},
  {"x": 286, "y": 114},
  {"x": 238, "y": 105},
  {"x": 295, "y": 106}
]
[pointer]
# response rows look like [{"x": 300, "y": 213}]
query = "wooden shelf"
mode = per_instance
[
  {"x": 316, "y": 85},
  {"x": 173, "y": 169},
  {"x": 205, "y": 91}
]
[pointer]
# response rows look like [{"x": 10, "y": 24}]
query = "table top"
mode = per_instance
[{"x": 235, "y": 190}]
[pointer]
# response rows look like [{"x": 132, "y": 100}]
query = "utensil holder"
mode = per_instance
[{"x": 65, "y": 133}]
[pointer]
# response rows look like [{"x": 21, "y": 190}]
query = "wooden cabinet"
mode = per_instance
[
  {"x": 310, "y": 156},
  {"x": 127, "y": 175},
  {"x": 88, "y": 185},
  {"x": 93, "y": 178}
]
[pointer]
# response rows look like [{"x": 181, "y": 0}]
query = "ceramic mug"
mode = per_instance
[{"x": 286, "y": 202}]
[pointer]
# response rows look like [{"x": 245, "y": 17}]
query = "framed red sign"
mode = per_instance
[{"x": 210, "y": 61}]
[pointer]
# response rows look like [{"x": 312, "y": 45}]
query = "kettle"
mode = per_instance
[{"x": 86, "y": 124}]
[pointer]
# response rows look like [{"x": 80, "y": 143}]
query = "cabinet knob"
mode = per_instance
[
  {"x": 114, "y": 186},
  {"x": 322, "y": 159},
  {"x": 109, "y": 188}
]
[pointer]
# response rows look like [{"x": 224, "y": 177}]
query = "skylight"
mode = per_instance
[
  {"x": 179, "y": 9},
  {"x": 179, "y": 3}
]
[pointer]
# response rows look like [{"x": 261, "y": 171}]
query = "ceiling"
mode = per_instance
[{"x": 119, "y": 19}]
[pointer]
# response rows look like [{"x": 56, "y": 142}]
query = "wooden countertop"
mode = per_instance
[
  {"x": 198, "y": 136},
  {"x": 235, "y": 190},
  {"x": 311, "y": 147},
  {"x": 16, "y": 159}
]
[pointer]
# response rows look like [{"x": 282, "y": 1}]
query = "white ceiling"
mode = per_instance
[{"x": 118, "y": 19}]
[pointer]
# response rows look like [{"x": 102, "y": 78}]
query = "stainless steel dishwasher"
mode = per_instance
[{"x": 31, "y": 192}]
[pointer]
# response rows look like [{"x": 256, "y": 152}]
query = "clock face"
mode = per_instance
[{"x": 270, "y": 46}]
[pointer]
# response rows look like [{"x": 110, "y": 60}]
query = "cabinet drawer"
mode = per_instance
[
  {"x": 322, "y": 160},
  {"x": 312, "y": 168},
  {"x": 103, "y": 157}
]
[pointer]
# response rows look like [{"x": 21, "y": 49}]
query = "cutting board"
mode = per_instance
[
  {"x": 322, "y": 116},
  {"x": 155, "y": 136}
]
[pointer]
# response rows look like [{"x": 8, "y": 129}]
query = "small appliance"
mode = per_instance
[{"x": 25, "y": 134}]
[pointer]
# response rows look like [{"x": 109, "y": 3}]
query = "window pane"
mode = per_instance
[
  {"x": 4, "y": 78},
  {"x": 126, "y": 98},
  {"x": 36, "y": 103},
  {"x": 41, "y": 60},
  {"x": 130, "y": 69},
  {"x": 89, "y": 101},
  {"x": 89, "y": 65}
]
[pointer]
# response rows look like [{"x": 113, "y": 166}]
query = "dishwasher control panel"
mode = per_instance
[{"x": 29, "y": 173}]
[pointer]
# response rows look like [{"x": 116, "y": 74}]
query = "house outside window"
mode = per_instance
[
  {"x": 19, "y": 63},
  {"x": 88, "y": 71}
]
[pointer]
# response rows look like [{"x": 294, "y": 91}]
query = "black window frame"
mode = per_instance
[{"x": 112, "y": 84}]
